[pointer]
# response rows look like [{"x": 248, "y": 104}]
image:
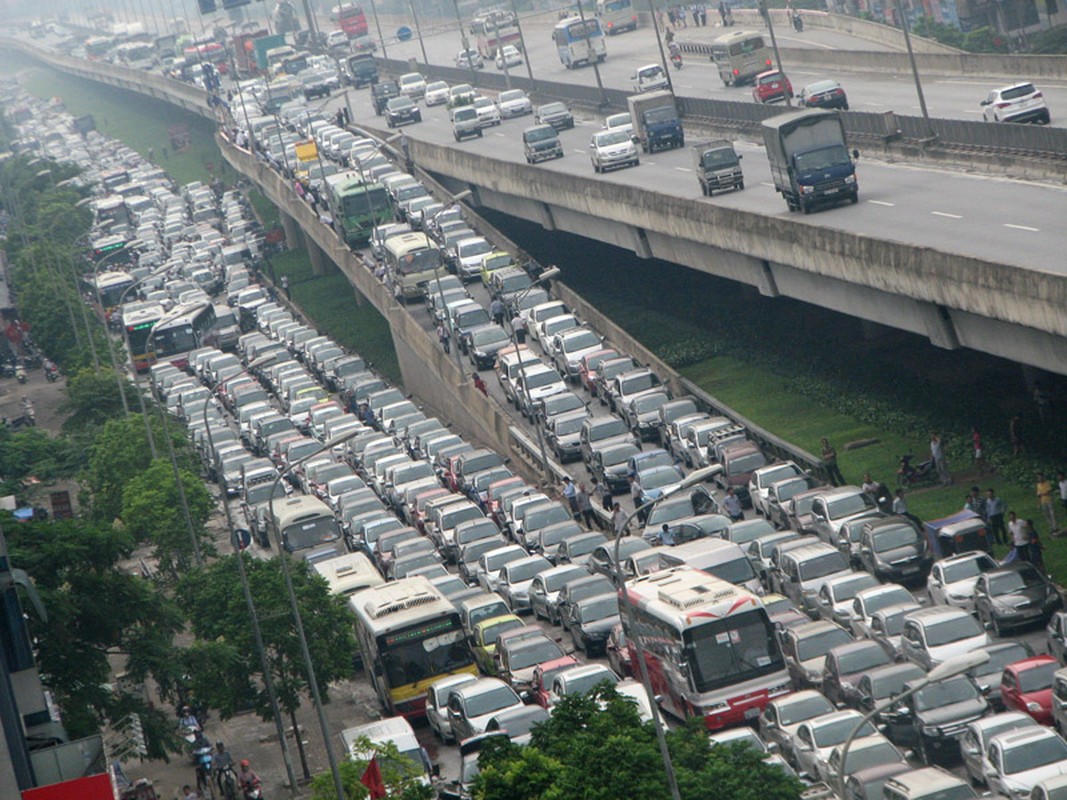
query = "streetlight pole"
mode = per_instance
[
  {"x": 522, "y": 43},
  {"x": 378, "y": 26},
  {"x": 914, "y": 68},
  {"x": 465, "y": 41},
  {"x": 774, "y": 45},
  {"x": 500, "y": 52},
  {"x": 298, "y": 620},
  {"x": 592, "y": 55},
  {"x": 620, "y": 580},
  {"x": 949, "y": 668},
  {"x": 659, "y": 44},
  {"x": 418, "y": 31}
]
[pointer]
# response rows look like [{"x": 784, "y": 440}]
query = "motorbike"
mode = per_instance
[
  {"x": 676, "y": 60},
  {"x": 51, "y": 372},
  {"x": 798, "y": 22},
  {"x": 916, "y": 475},
  {"x": 228, "y": 783},
  {"x": 20, "y": 373}
]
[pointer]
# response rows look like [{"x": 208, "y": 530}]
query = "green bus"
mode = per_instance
[{"x": 356, "y": 207}]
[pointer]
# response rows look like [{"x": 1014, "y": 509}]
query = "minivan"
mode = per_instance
[
  {"x": 465, "y": 124},
  {"x": 540, "y": 143}
]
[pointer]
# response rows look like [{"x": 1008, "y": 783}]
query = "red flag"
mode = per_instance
[{"x": 372, "y": 779}]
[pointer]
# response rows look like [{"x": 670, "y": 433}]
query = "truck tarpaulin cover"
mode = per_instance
[{"x": 94, "y": 787}]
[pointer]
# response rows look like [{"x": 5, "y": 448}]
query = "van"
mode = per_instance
[
  {"x": 465, "y": 123},
  {"x": 393, "y": 730},
  {"x": 540, "y": 143},
  {"x": 725, "y": 560}
]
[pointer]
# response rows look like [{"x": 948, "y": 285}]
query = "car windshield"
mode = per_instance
[
  {"x": 877, "y": 754},
  {"x": 660, "y": 476},
  {"x": 821, "y": 566},
  {"x": 540, "y": 134},
  {"x": 638, "y": 383},
  {"x": 819, "y": 644},
  {"x": 849, "y": 505},
  {"x": 642, "y": 405},
  {"x": 890, "y": 597},
  {"x": 527, "y": 571},
  {"x": 514, "y": 94},
  {"x": 490, "y": 702},
  {"x": 487, "y": 611},
  {"x": 614, "y": 456},
  {"x": 1034, "y": 754},
  {"x": 569, "y": 425},
  {"x": 607, "y": 429},
  {"x": 581, "y": 341},
  {"x": 476, "y": 248},
  {"x": 724, "y": 652},
  {"x": 1014, "y": 581},
  {"x": 823, "y": 158},
  {"x": 834, "y": 732},
  {"x": 886, "y": 685},
  {"x": 861, "y": 660},
  {"x": 552, "y": 109},
  {"x": 600, "y": 608},
  {"x": 969, "y": 568},
  {"x": 489, "y": 336},
  {"x": 1037, "y": 679},
  {"x": 803, "y": 710},
  {"x": 491, "y": 632},
  {"x": 669, "y": 511},
  {"x": 775, "y": 474},
  {"x": 587, "y": 682},
  {"x": 738, "y": 571},
  {"x": 747, "y": 463},
  {"x": 612, "y": 137},
  {"x": 539, "y": 379},
  {"x": 895, "y": 538},
  {"x": 535, "y": 652},
  {"x": 1015, "y": 92},
  {"x": 894, "y": 623},
  {"x": 952, "y": 630},
  {"x": 553, "y": 583},
  {"x": 847, "y": 589},
  {"x": 802, "y": 505},
  {"x": 1000, "y": 658}
]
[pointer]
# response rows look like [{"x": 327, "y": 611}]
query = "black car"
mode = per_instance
[
  {"x": 1014, "y": 596},
  {"x": 381, "y": 93},
  {"x": 987, "y": 676},
  {"x": 483, "y": 343},
  {"x": 845, "y": 665},
  {"x": 591, "y": 622},
  {"x": 824, "y": 94},
  {"x": 931, "y": 720},
  {"x": 401, "y": 111},
  {"x": 894, "y": 550},
  {"x": 881, "y": 683},
  {"x": 555, "y": 114}
]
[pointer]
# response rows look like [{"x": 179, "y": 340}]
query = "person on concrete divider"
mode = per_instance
[{"x": 570, "y": 493}]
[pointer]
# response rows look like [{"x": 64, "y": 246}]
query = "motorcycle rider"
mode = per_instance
[
  {"x": 27, "y": 410},
  {"x": 223, "y": 761},
  {"x": 248, "y": 779},
  {"x": 676, "y": 53},
  {"x": 187, "y": 721}
]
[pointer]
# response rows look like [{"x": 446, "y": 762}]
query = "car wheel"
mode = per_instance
[
  {"x": 595, "y": 167},
  {"x": 997, "y": 630},
  {"x": 924, "y": 751}
]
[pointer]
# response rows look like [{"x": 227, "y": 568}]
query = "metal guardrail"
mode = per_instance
[{"x": 1035, "y": 141}]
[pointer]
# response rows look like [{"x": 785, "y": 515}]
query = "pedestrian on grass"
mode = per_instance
[
  {"x": 829, "y": 460},
  {"x": 937, "y": 453},
  {"x": 1020, "y": 536},
  {"x": 979, "y": 453},
  {"x": 1015, "y": 434},
  {"x": 900, "y": 506},
  {"x": 1043, "y": 490},
  {"x": 994, "y": 509}
]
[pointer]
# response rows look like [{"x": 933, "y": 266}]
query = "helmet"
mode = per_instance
[
  {"x": 245, "y": 763},
  {"x": 220, "y": 745}
]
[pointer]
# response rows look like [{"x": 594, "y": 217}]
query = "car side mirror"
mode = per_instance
[
  {"x": 740, "y": 156},
  {"x": 984, "y": 103},
  {"x": 855, "y": 155}
]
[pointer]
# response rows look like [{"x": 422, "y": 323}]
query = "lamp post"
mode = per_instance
[
  {"x": 257, "y": 634},
  {"x": 522, "y": 45},
  {"x": 914, "y": 68},
  {"x": 548, "y": 274},
  {"x": 659, "y": 44},
  {"x": 592, "y": 55},
  {"x": 418, "y": 31},
  {"x": 298, "y": 620},
  {"x": 378, "y": 26},
  {"x": 464, "y": 41},
  {"x": 949, "y": 668},
  {"x": 107, "y": 335},
  {"x": 774, "y": 44},
  {"x": 699, "y": 476}
]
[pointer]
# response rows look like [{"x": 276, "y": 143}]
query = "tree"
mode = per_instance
[
  {"x": 400, "y": 775},
  {"x": 225, "y": 670},
  {"x": 96, "y": 611},
  {"x": 595, "y": 747},
  {"x": 152, "y": 510},
  {"x": 93, "y": 397}
]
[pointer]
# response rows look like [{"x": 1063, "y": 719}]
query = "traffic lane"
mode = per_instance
[{"x": 1000, "y": 219}]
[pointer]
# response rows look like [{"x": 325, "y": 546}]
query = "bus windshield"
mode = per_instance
[
  {"x": 311, "y": 532},
  {"x": 421, "y": 651},
  {"x": 174, "y": 340},
  {"x": 365, "y": 202},
  {"x": 728, "y": 651},
  {"x": 426, "y": 260}
]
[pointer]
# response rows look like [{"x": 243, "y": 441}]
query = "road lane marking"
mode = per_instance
[
  {"x": 683, "y": 169},
  {"x": 946, "y": 214},
  {"x": 501, "y": 135},
  {"x": 764, "y": 183},
  {"x": 1022, "y": 227},
  {"x": 579, "y": 152},
  {"x": 881, "y": 203}
]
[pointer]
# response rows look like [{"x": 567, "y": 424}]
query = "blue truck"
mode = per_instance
[
  {"x": 657, "y": 125},
  {"x": 809, "y": 159}
]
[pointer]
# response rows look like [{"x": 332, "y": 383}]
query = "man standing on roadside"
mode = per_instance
[
  {"x": 1043, "y": 490},
  {"x": 518, "y": 325},
  {"x": 1020, "y": 536},
  {"x": 937, "y": 453},
  {"x": 829, "y": 460},
  {"x": 618, "y": 520},
  {"x": 570, "y": 492},
  {"x": 994, "y": 509}
]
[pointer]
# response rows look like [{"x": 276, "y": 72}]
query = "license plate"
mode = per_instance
[
  {"x": 774, "y": 85},
  {"x": 751, "y": 713},
  {"x": 831, "y": 191}
]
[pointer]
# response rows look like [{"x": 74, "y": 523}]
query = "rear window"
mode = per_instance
[{"x": 1015, "y": 92}]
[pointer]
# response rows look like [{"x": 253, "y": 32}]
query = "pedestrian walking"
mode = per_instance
[
  {"x": 994, "y": 509},
  {"x": 443, "y": 337},
  {"x": 618, "y": 520},
  {"x": 570, "y": 493},
  {"x": 975, "y": 502},
  {"x": 603, "y": 494},
  {"x": 695, "y": 11},
  {"x": 703, "y": 9},
  {"x": 285, "y": 287},
  {"x": 496, "y": 311},
  {"x": 518, "y": 327},
  {"x": 1037, "y": 557},
  {"x": 1043, "y": 490},
  {"x": 937, "y": 453},
  {"x": 829, "y": 461},
  {"x": 732, "y": 506},
  {"x": 900, "y": 505},
  {"x": 585, "y": 508},
  {"x": 1061, "y": 482},
  {"x": 479, "y": 384},
  {"x": 979, "y": 454},
  {"x": 1020, "y": 536},
  {"x": 1015, "y": 434},
  {"x": 722, "y": 12},
  {"x": 637, "y": 494}
]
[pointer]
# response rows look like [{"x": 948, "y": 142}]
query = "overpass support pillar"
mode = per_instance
[
  {"x": 765, "y": 281},
  {"x": 293, "y": 236},
  {"x": 939, "y": 326},
  {"x": 548, "y": 222},
  {"x": 642, "y": 249},
  {"x": 319, "y": 261}
]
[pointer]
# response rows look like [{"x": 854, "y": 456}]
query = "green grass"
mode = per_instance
[
  {"x": 266, "y": 210},
  {"x": 140, "y": 122},
  {"x": 329, "y": 300}
]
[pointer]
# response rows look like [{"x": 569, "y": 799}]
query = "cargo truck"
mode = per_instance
[
  {"x": 657, "y": 125},
  {"x": 361, "y": 70},
  {"x": 244, "y": 53},
  {"x": 717, "y": 165},
  {"x": 809, "y": 159},
  {"x": 265, "y": 44}
]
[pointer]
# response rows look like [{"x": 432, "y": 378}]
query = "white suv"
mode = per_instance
[{"x": 1019, "y": 103}]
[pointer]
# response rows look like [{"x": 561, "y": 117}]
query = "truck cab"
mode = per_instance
[
  {"x": 809, "y": 159},
  {"x": 657, "y": 125}
]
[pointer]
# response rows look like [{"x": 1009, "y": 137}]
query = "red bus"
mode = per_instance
[{"x": 350, "y": 18}]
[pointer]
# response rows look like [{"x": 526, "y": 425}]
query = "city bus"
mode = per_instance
[
  {"x": 139, "y": 322},
  {"x": 579, "y": 41},
  {"x": 410, "y": 636},
  {"x": 741, "y": 56},
  {"x": 137, "y": 55},
  {"x": 112, "y": 209},
  {"x": 411, "y": 260},
  {"x": 111, "y": 249},
  {"x": 356, "y": 206},
  {"x": 710, "y": 647},
  {"x": 493, "y": 32},
  {"x": 111, "y": 286},
  {"x": 350, "y": 18},
  {"x": 181, "y": 331},
  {"x": 616, "y": 16},
  {"x": 307, "y": 527}
]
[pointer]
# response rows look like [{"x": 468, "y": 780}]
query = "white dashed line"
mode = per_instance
[
  {"x": 764, "y": 183},
  {"x": 579, "y": 152},
  {"x": 683, "y": 169},
  {"x": 1021, "y": 227},
  {"x": 881, "y": 203},
  {"x": 946, "y": 214}
]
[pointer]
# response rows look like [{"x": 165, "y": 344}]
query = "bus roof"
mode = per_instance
[
  {"x": 733, "y": 36},
  {"x": 349, "y": 573},
  {"x": 404, "y": 243},
  {"x": 685, "y": 597},
  {"x": 106, "y": 280},
  {"x": 182, "y": 313},
  {"x": 398, "y": 604},
  {"x": 292, "y": 509},
  {"x": 152, "y": 313}
]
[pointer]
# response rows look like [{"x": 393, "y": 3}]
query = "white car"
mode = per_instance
[
  {"x": 781, "y": 718},
  {"x": 816, "y": 739},
  {"x": 461, "y": 94},
  {"x": 413, "y": 85},
  {"x": 436, "y": 93},
  {"x": 649, "y": 78},
  {"x": 1019, "y": 103},
  {"x": 579, "y": 680},
  {"x": 508, "y": 56},
  {"x": 760, "y": 483},
  {"x": 866, "y": 602},
  {"x": 569, "y": 347},
  {"x": 514, "y": 103},
  {"x": 469, "y": 59},
  {"x": 1022, "y": 759},
  {"x": 619, "y": 122},
  {"x": 488, "y": 113},
  {"x": 437, "y": 704},
  {"x": 952, "y": 580},
  {"x": 469, "y": 255},
  {"x": 612, "y": 149},
  {"x": 933, "y": 635}
]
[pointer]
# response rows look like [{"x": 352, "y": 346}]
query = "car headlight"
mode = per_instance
[
  {"x": 1033, "y": 708},
  {"x": 850, "y": 179},
  {"x": 931, "y": 730},
  {"x": 958, "y": 596}
]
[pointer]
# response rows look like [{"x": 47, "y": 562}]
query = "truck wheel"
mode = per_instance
[
  {"x": 740, "y": 184},
  {"x": 805, "y": 207},
  {"x": 855, "y": 198}
]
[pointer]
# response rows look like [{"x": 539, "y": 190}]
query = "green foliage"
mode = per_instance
[
  {"x": 96, "y": 611},
  {"x": 399, "y": 774},
  {"x": 32, "y": 452},
  {"x": 594, "y": 747},
  {"x": 984, "y": 40},
  {"x": 93, "y": 397},
  {"x": 212, "y": 599},
  {"x": 938, "y": 31},
  {"x": 152, "y": 511},
  {"x": 1050, "y": 41}
]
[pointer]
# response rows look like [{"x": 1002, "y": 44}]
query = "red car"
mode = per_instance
[
  {"x": 771, "y": 86},
  {"x": 541, "y": 689},
  {"x": 1026, "y": 686},
  {"x": 588, "y": 365}
]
